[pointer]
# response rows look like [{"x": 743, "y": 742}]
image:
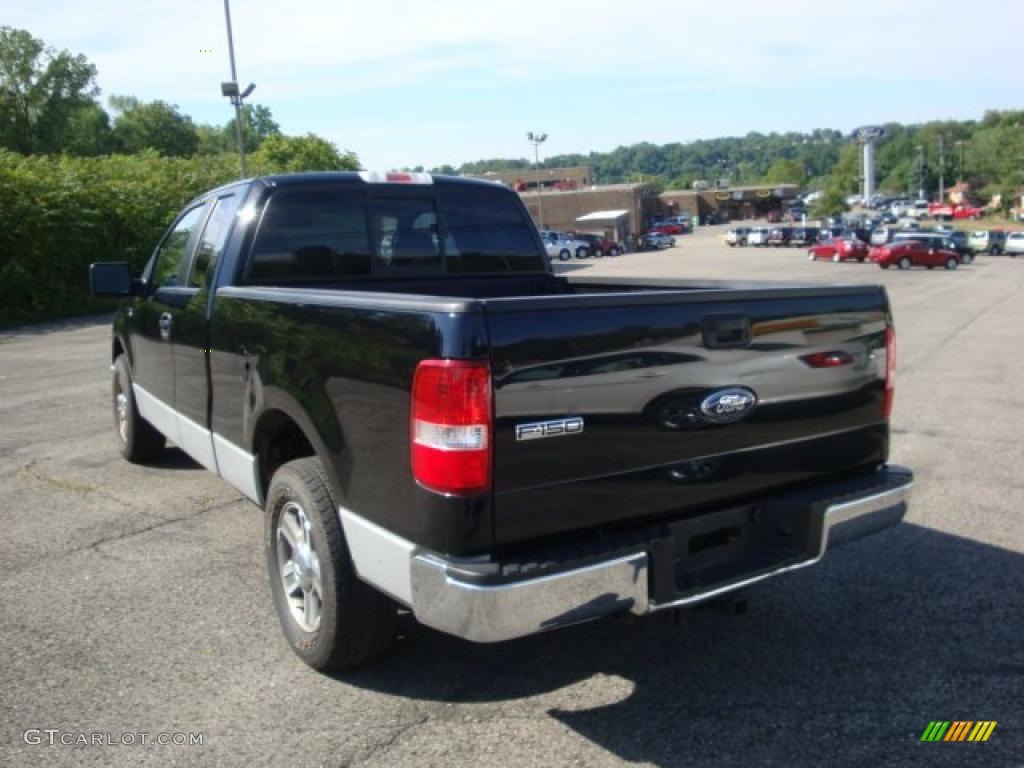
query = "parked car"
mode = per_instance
[
  {"x": 1014, "y": 244},
  {"x": 437, "y": 483},
  {"x": 773, "y": 217},
  {"x": 655, "y": 240},
  {"x": 559, "y": 245},
  {"x": 779, "y": 236},
  {"x": 757, "y": 236},
  {"x": 830, "y": 231},
  {"x": 913, "y": 253},
  {"x": 950, "y": 211},
  {"x": 839, "y": 249},
  {"x": 802, "y": 236},
  {"x": 737, "y": 236},
  {"x": 598, "y": 244},
  {"x": 987, "y": 241},
  {"x": 668, "y": 228},
  {"x": 950, "y": 241}
]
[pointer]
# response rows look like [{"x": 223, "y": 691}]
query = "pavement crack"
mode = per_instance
[
  {"x": 95, "y": 545},
  {"x": 384, "y": 746}
]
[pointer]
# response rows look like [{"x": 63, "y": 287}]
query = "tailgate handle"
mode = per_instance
[{"x": 726, "y": 331}]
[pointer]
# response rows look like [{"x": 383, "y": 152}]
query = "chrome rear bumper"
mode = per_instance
[{"x": 448, "y": 598}]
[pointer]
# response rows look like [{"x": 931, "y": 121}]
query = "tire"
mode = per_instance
[
  {"x": 996, "y": 251},
  {"x": 582, "y": 253},
  {"x": 968, "y": 258},
  {"x": 952, "y": 263},
  {"x": 672, "y": 243},
  {"x": 836, "y": 258},
  {"x": 139, "y": 441},
  {"x": 613, "y": 251},
  {"x": 564, "y": 255},
  {"x": 348, "y": 623},
  {"x": 905, "y": 263}
]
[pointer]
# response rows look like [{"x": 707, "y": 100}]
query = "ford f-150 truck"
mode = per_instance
[{"x": 432, "y": 419}]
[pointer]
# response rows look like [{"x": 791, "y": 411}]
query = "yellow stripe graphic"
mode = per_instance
[
  {"x": 988, "y": 731},
  {"x": 982, "y": 724}
]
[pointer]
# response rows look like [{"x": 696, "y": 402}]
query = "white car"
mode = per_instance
[
  {"x": 1014, "y": 244},
  {"x": 562, "y": 247},
  {"x": 758, "y": 236},
  {"x": 737, "y": 236}
]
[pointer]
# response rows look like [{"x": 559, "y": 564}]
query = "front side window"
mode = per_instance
[
  {"x": 171, "y": 258},
  {"x": 214, "y": 237}
]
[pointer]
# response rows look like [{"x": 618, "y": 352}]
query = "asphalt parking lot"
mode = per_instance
[{"x": 134, "y": 600}]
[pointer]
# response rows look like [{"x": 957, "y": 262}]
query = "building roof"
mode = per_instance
[
  {"x": 589, "y": 188},
  {"x": 603, "y": 216}
]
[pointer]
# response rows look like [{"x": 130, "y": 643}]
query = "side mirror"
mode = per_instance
[{"x": 112, "y": 278}]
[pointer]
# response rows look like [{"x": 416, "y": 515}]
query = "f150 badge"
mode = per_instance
[
  {"x": 728, "y": 405},
  {"x": 556, "y": 428}
]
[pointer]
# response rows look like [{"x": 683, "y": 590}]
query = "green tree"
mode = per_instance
[
  {"x": 785, "y": 171},
  {"x": 41, "y": 91},
  {"x": 280, "y": 154},
  {"x": 153, "y": 125},
  {"x": 258, "y": 124}
]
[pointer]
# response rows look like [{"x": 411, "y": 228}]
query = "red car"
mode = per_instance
[
  {"x": 669, "y": 228},
  {"x": 839, "y": 249},
  {"x": 912, "y": 253}
]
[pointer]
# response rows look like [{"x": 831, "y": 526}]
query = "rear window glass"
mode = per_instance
[
  {"x": 311, "y": 234},
  {"x": 487, "y": 232},
  {"x": 320, "y": 234}
]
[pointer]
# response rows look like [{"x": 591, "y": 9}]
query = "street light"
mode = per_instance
[
  {"x": 230, "y": 90},
  {"x": 920, "y": 171},
  {"x": 536, "y": 139},
  {"x": 960, "y": 174}
]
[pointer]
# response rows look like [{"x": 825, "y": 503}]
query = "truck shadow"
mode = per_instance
[{"x": 840, "y": 664}]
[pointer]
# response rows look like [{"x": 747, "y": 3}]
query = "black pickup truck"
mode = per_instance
[{"x": 431, "y": 418}]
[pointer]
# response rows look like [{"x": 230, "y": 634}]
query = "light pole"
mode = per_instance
[
  {"x": 230, "y": 89},
  {"x": 942, "y": 171},
  {"x": 920, "y": 171},
  {"x": 537, "y": 139},
  {"x": 960, "y": 173}
]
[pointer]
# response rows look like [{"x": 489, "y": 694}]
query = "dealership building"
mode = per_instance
[{"x": 566, "y": 199}]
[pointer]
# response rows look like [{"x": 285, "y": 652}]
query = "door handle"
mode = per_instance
[{"x": 166, "y": 321}]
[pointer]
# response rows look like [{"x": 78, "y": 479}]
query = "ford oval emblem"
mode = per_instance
[{"x": 728, "y": 405}]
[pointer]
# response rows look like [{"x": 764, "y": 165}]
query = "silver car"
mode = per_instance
[{"x": 561, "y": 246}]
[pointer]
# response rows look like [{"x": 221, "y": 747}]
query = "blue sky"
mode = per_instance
[{"x": 447, "y": 81}]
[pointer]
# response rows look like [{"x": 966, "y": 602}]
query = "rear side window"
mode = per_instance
[{"x": 311, "y": 234}]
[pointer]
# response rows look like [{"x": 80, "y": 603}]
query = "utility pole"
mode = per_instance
[
  {"x": 230, "y": 89},
  {"x": 920, "y": 171},
  {"x": 942, "y": 172},
  {"x": 536, "y": 139},
  {"x": 960, "y": 174}
]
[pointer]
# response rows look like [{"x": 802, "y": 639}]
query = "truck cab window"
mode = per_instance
[
  {"x": 406, "y": 233},
  {"x": 214, "y": 237},
  {"x": 171, "y": 258},
  {"x": 311, "y": 234}
]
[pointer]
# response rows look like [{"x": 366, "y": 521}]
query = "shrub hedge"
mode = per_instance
[{"x": 59, "y": 213}]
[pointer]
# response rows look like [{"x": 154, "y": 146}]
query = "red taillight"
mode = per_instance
[
  {"x": 890, "y": 371},
  {"x": 831, "y": 359},
  {"x": 450, "y": 426}
]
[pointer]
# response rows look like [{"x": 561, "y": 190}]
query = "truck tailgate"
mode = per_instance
[{"x": 616, "y": 407}]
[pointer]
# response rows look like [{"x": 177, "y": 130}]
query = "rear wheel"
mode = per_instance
[
  {"x": 138, "y": 440},
  {"x": 582, "y": 253},
  {"x": 905, "y": 263},
  {"x": 672, "y": 243},
  {"x": 952, "y": 263},
  {"x": 564, "y": 255},
  {"x": 332, "y": 620},
  {"x": 613, "y": 251}
]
